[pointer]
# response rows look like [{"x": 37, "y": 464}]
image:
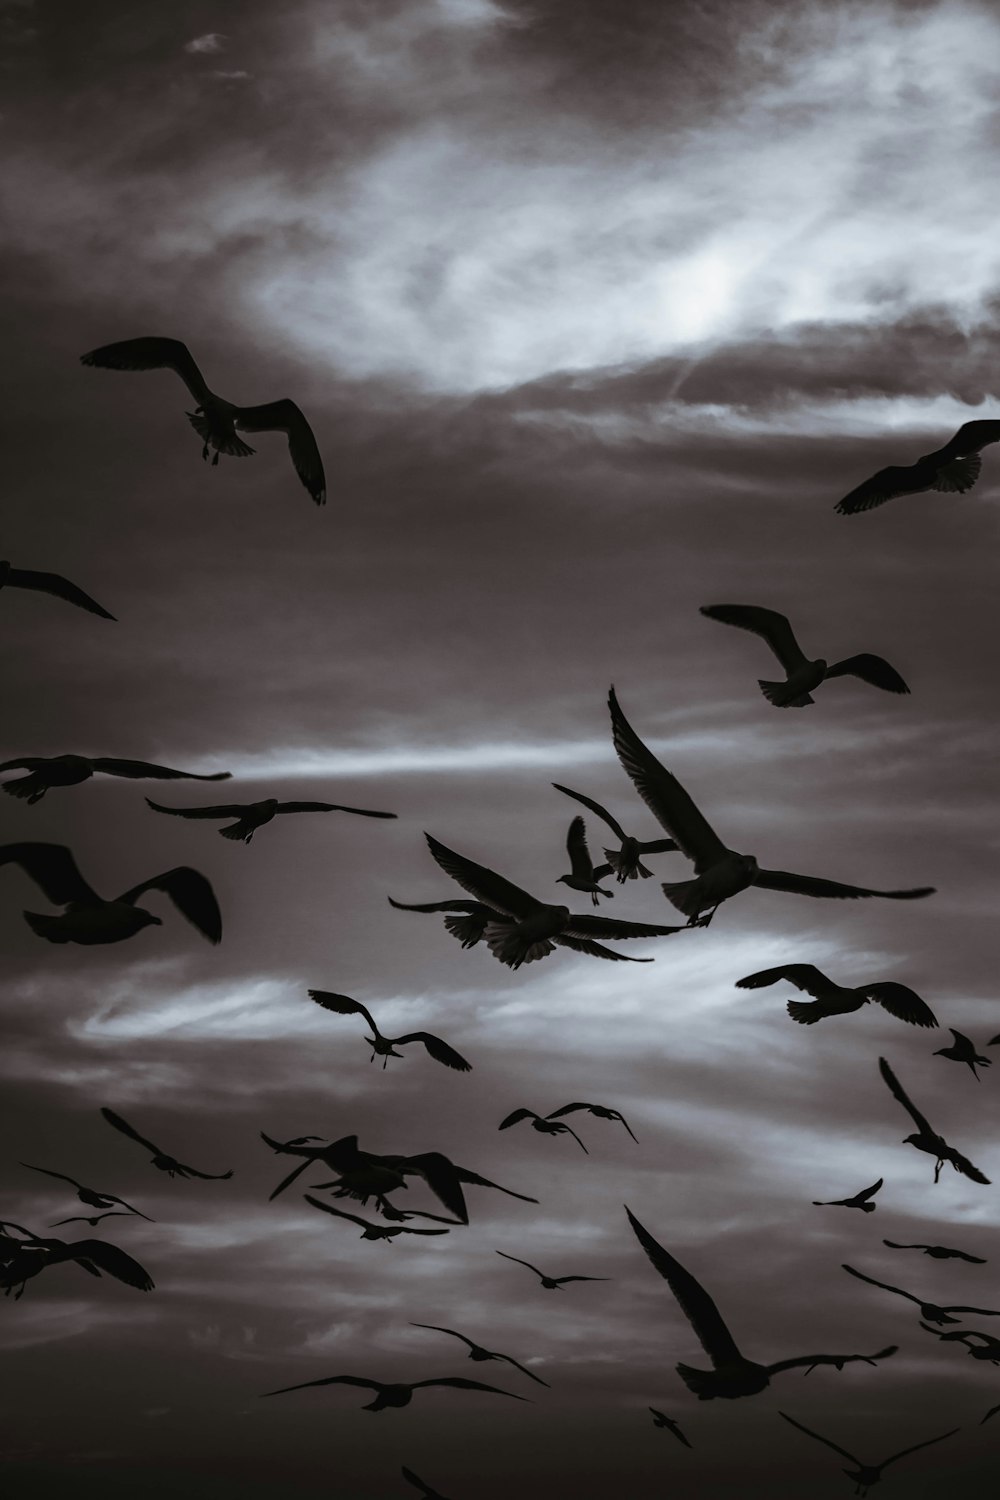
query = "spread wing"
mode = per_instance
[
  {"x": 901, "y": 1002},
  {"x": 222, "y": 810},
  {"x": 830, "y": 1359},
  {"x": 437, "y": 1049},
  {"x": 440, "y": 1175},
  {"x": 371, "y": 1385},
  {"x": 126, "y": 1129},
  {"x": 519, "y": 1262},
  {"x": 108, "y": 1259},
  {"x": 300, "y": 807},
  {"x": 61, "y": 1175},
  {"x": 192, "y": 895},
  {"x": 812, "y": 885},
  {"x": 595, "y": 807},
  {"x": 464, "y": 1175},
  {"x": 869, "y": 1192},
  {"x": 768, "y": 623},
  {"x": 803, "y": 976},
  {"x": 484, "y": 884},
  {"x": 562, "y": 1280},
  {"x": 284, "y": 416},
  {"x": 461, "y": 1384},
  {"x": 887, "y": 484},
  {"x": 436, "y": 1328},
  {"x": 343, "y": 1005},
  {"x": 611, "y": 928},
  {"x": 971, "y": 437},
  {"x": 472, "y": 907},
  {"x": 964, "y": 1165},
  {"x": 516, "y": 1116},
  {"x": 820, "y": 1439},
  {"x": 596, "y": 950},
  {"x": 872, "y": 669},
  {"x": 951, "y": 1433},
  {"x": 694, "y": 1302},
  {"x": 151, "y": 354},
  {"x": 581, "y": 863},
  {"x": 142, "y": 770},
  {"x": 896, "y": 1088},
  {"x": 883, "y": 1284},
  {"x": 54, "y": 583},
  {"x": 52, "y": 868},
  {"x": 339, "y": 1213}
]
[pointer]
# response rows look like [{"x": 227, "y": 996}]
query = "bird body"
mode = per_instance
[
  {"x": 370, "y": 1231},
  {"x": 924, "y": 1138},
  {"x": 384, "y": 1046},
  {"x": 551, "y": 1283},
  {"x": 396, "y": 1394},
  {"x": 90, "y": 1196},
  {"x": 34, "y": 1255},
  {"x": 480, "y": 1354},
  {"x": 660, "y": 1420},
  {"x": 253, "y": 815},
  {"x": 468, "y": 921},
  {"x": 831, "y": 999},
  {"x": 860, "y": 1200},
  {"x": 963, "y": 1050},
  {"x": 160, "y": 1159},
  {"x": 542, "y": 1124},
  {"x": 48, "y": 771},
  {"x": 938, "y": 1252},
  {"x": 601, "y": 1112},
  {"x": 583, "y": 876},
  {"x": 928, "y": 1310}
]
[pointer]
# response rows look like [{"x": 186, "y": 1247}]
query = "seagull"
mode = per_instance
[
  {"x": 988, "y": 1350},
  {"x": 479, "y": 1354},
  {"x": 530, "y": 925},
  {"x": 839, "y": 1000},
  {"x": 583, "y": 875},
  {"x": 963, "y": 1050},
  {"x": 98, "y": 1257},
  {"x": 731, "y": 1375},
  {"x": 114, "y": 1213},
  {"x": 88, "y": 918},
  {"x": 802, "y": 676},
  {"x": 214, "y": 419},
  {"x": 991, "y": 1413},
  {"x": 551, "y": 1283},
  {"x": 865, "y": 1475},
  {"x": 543, "y": 1124},
  {"x": 659, "y": 1420},
  {"x": 47, "y": 771},
  {"x": 253, "y": 815},
  {"x": 600, "y": 1110},
  {"x": 928, "y": 1310},
  {"x": 719, "y": 872},
  {"x": 938, "y": 1252},
  {"x": 468, "y": 920},
  {"x": 397, "y": 1394},
  {"x": 953, "y": 468},
  {"x": 860, "y": 1200},
  {"x": 625, "y": 861},
  {"x": 370, "y": 1231},
  {"x": 50, "y": 583},
  {"x": 383, "y": 1046},
  {"x": 419, "y": 1484},
  {"x": 161, "y": 1160},
  {"x": 90, "y": 1196},
  {"x": 924, "y": 1138}
]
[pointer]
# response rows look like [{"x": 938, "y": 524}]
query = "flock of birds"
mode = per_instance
[{"x": 517, "y": 928}]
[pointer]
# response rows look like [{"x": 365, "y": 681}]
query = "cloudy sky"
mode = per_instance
[{"x": 596, "y": 311}]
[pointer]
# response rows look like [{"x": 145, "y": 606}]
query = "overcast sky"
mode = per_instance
[{"x": 596, "y": 310}]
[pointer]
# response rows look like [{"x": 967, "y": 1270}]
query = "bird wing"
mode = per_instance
[
  {"x": 524, "y": 1371},
  {"x": 663, "y": 794},
  {"x": 596, "y": 950},
  {"x": 595, "y": 807},
  {"x": 339, "y": 1213},
  {"x": 581, "y": 863},
  {"x": 464, "y": 1175},
  {"x": 873, "y": 669},
  {"x": 61, "y": 1175},
  {"x": 612, "y": 927},
  {"x": 52, "y": 868},
  {"x": 768, "y": 623},
  {"x": 436, "y": 1327},
  {"x": 302, "y": 807},
  {"x": 942, "y": 1435},
  {"x": 428, "y": 906},
  {"x": 971, "y": 437},
  {"x": 986, "y": 1312},
  {"x": 658, "y": 846},
  {"x": 126, "y": 1129},
  {"x": 437, "y": 1049},
  {"x": 113, "y": 1262},
  {"x": 416, "y": 1481},
  {"x": 484, "y": 884},
  {"x": 371, "y": 1385},
  {"x": 869, "y": 1192},
  {"x": 151, "y": 353},
  {"x": 192, "y": 895},
  {"x": 991, "y": 1413},
  {"x": 521, "y": 1262},
  {"x": 29, "y": 763},
  {"x": 901, "y": 1002},
  {"x": 141, "y": 770},
  {"x": 284, "y": 416},
  {"x": 883, "y": 1284},
  {"x": 887, "y": 484},
  {"x": 692, "y": 1299},
  {"x": 440, "y": 1175},
  {"x": 343, "y": 1005},
  {"x": 566, "y": 1109},
  {"x": 804, "y": 977},
  {"x": 812, "y": 885},
  {"x": 829, "y": 1359},
  {"x": 820, "y": 1439},
  {"x": 563, "y": 1279},
  {"x": 462, "y": 1384},
  {"x": 516, "y": 1116},
  {"x": 222, "y": 810},
  {"x": 896, "y": 1088},
  {"x": 55, "y": 583},
  {"x": 964, "y": 1165}
]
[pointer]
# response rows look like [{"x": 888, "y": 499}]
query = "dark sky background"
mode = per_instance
[{"x": 596, "y": 311}]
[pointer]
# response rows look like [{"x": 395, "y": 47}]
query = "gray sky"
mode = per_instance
[{"x": 596, "y": 312}]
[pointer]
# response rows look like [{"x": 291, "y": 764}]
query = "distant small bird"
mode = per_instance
[
  {"x": 991, "y": 1413},
  {"x": 988, "y": 1350},
  {"x": 802, "y": 676},
  {"x": 860, "y": 1200},
  {"x": 397, "y": 1394},
  {"x": 98, "y": 1257},
  {"x": 963, "y": 1050},
  {"x": 468, "y": 920},
  {"x": 583, "y": 875},
  {"x": 866, "y": 1475},
  {"x": 625, "y": 861},
  {"x": 419, "y": 1484},
  {"x": 951, "y": 469},
  {"x": 50, "y": 583},
  {"x": 928, "y": 1310},
  {"x": 551, "y": 1283},
  {"x": 600, "y": 1110},
  {"x": 214, "y": 419},
  {"x": 479, "y": 1354},
  {"x": 938, "y": 1252},
  {"x": 924, "y": 1138},
  {"x": 659, "y": 1420},
  {"x": 383, "y": 1046},
  {"x": 114, "y": 1213},
  {"x": 48, "y": 771},
  {"x": 370, "y": 1231},
  {"x": 90, "y": 1196},
  {"x": 839, "y": 1000},
  {"x": 88, "y": 918},
  {"x": 253, "y": 815},
  {"x": 542, "y": 1124},
  {"x": 731, "y": 1375},
  {"x": 161, "y": 1160}
]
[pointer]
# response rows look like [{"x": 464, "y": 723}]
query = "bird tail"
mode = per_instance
[
  {"x": 958, "y": 476},
  {"x": 806, "y": 1012},
  {"x": 227, "y": 442},
  {"x": 511, "y": 948},
  {"x": 47, "y": 927},
  {"x": 33, "y": 787},
  {"x": 625, "y": 870},
  {"x": 234, "y": 831},
  {"x": 468, "y": 930},
  {"x": 685, "y": 895},
  {"x": 777, "y": 693}
]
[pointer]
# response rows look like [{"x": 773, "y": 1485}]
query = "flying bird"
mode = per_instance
[
  {"x": 398, "y": 1394},
  {"x": 113, "y": 1213},
  {"x": 214, "y": 419},
  {"x": 479, "y": 1354},
  {"x": 33, "y": 1256},
  {"x": 659, "y": 1420},
  {"x": 860, "y": 1200},
  {"x": 832, "y": 999},
  {"x": 253, "y": 815},
  {"x": 468, "y": 920},
  {"x": 370, "y": 1231},
  {"x": 384, "y": 1046},
  {"x": 420, "y": 1484},
  {"x": 541, "y": 1123},
  {"x": 50, "y": 583},
  {"x": 600, "y": 1110},
  {"x": 928, "y": 1310},
  {"x": 90, "y": 1196},
  {"x": 802, "y": 676},
  {"x": 865, "y": 1475},
  {"x": 731, "y": 1375},
  {"x": 551, "y": 1283},
  {"x": 91, "y": 920},
  {"x": 48, "y": 771},
  {"x": 583, "y": 875},
  {"x": 161, "y": 1160},
  {"x": 938, "y": 1252},
  {"x": 988, "y": 1350},
  {"x": 719, "y": 872},
  {"x": 991, "y": 1413},
  {"x": 924, "y": 1138},
  {"x": 963, "y": 1050},
  {"x": 626, "y": 861},
  {"x": 951, "y": 469}
]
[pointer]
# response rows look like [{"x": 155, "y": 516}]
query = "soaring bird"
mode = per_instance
[
  {"x": 90, "y": 1196},
  {"x": 660, "y": 1420},
  {"x": 98, "y": 1257},
  {"x": 420, "y": 1484},
  {"x": 161, "y": 1160},
  {"x": 50, "y": 583},
  {"x": 802, "y": 676},
  {"x": 860, "y": 1200},
  {"x": 531, "y": 925},
  {"x": 731, "y": 1375},
  {"x": 479, "y": 1354},
  {"x": 719, "y": 872},
  {"x": 865, "y": 1475},
  {"x": 214, "y": 419},
  {"x": 938, "y": 1252},
  {"x": 963, "y": 1050},
  {"x": 987, "y": 1350},
  {"x": 924, "y": 1138},
  {"x": 112, "y": 1213},
  {"x": 551, "y": 1283},
  {"x": 600, "y": 1110},
  {"x": 839, "y": 1000},
  {"x": 398, "y": 1394},
  {"x": 88, "y": 918},
  {"x": 370, "y": 1231},
  {"x": 583, "y": 875},
  {"x": 541, "y": 1123},
  {"x": 625, "y": 861},
  {"x": 951, "y": 469},
  {"x": 468, "y": 920},
  {"x": 253, "y": 815},
  {"x": 383, "y": 1046},
  {"x": 929, "y": 1310},
  {"x": 47, "y": 771}
]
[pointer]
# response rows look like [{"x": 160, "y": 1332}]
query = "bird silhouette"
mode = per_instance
[
  {"x": 113, "y": 1213},
  {"x": 988, "y": 1350},
  {"x": 719, "y": 872},
  {"x": 963, "y": 1050},
  {"x": 626, "y": 861},
  {"x": 214, "y": 419},
  {"x": 420, "y": 1484},
  {"x": 90, "y": 1196},
  {"x": 583, "y": 875},
  {"x": 659, "y": 1420},
  {"x": 253, "y": 815},
  {"x": 928, "y": 1310},
  {"x": 924, "y": 1138},
  {"x": 802, "y": 676},
  {"x": 951, "y": 469},
  {"x": 832, "y": 999},
  {"x": 397, "y": 1394},
  {"x": 161, "y": 1160},
  {"x": 542, "y": 1124},
  {"x": 938, "y": 1252},
  {"x": 36, "y": 1254},
  {"x": 50, "y": 583},
  {"x": 991, "y": 1413},
  {"x": 88, "y": 918},
  {"x": 866, "y": 1475},
  {"x": 600, "y": 1110},
  {"x": 479, "y": 1354},
  {"x": 384, "y": 1046},
  {"x": 860, "y": 1200},
  {"x": 48, "y": 771},
  {"x": 468, "y": 920},
  {"x": 370, "y": 1231},
  {"x": 551, "y": 1283},
  {"x": 731, "y": 1375}
]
